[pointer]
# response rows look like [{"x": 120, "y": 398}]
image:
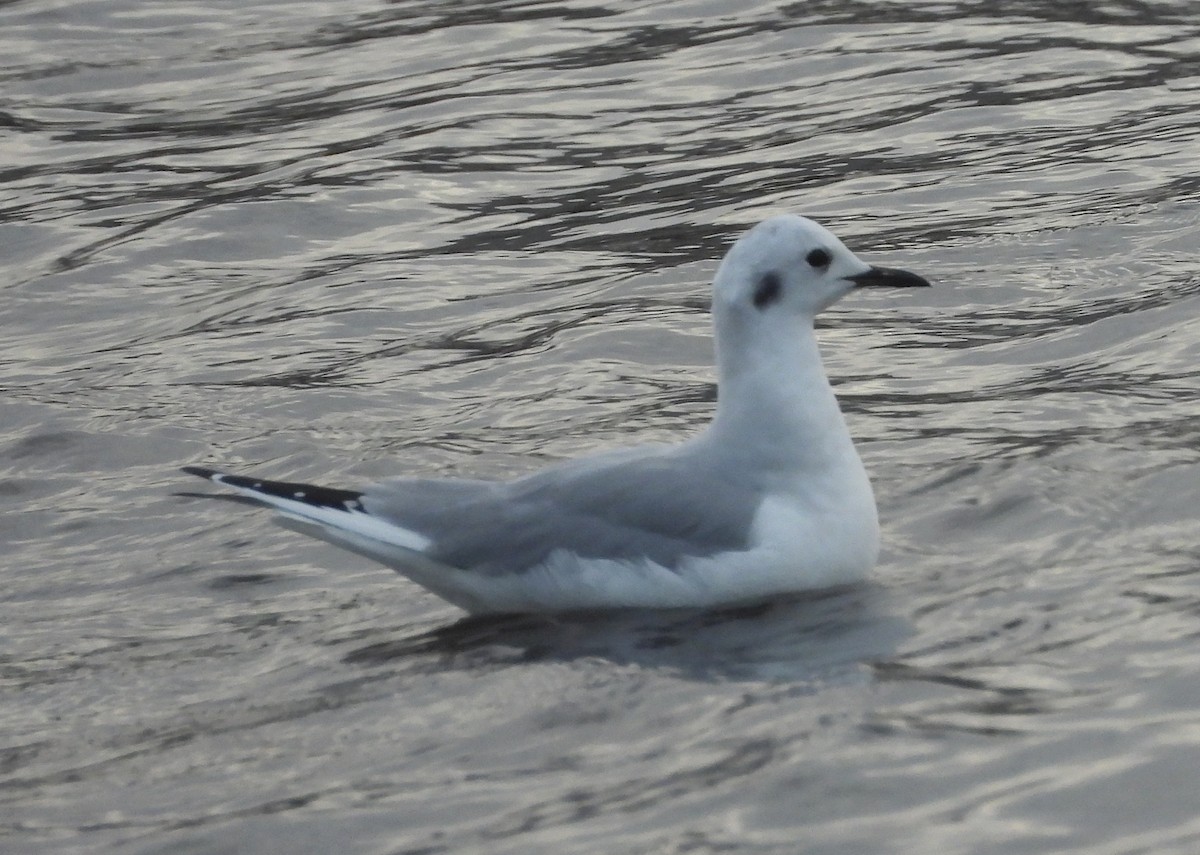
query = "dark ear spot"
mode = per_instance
[{"x": 768, "y": 290}]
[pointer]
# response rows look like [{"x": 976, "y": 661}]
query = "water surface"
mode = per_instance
[{"x": 340, "y": 242}]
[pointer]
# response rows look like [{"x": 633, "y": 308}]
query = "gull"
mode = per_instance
[{"x": 770, "y": 499}]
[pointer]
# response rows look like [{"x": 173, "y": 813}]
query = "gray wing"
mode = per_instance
[{"x": 662, "y": 506}]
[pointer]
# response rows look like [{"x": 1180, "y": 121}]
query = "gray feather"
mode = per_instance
[{"x": 665, "y": 507}]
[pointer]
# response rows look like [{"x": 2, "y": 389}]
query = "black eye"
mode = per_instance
[{"x": 818, "y": 258}]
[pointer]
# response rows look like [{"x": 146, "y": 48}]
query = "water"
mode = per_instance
[{"x": 344, "y": 241}]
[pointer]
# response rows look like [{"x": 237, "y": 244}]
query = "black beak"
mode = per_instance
[{"x": 888, "y": 277}]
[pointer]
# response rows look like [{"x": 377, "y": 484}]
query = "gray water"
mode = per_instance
[{"x": 336, "y": 242}]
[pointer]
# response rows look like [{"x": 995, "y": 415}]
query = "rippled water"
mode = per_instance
[{"x": 343, "y": 241}]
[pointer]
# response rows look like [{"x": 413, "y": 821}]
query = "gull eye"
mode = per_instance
[{"x": 818, "y": 258}]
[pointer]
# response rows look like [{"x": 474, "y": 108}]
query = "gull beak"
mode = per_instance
[{"x": 887, "y": 277}]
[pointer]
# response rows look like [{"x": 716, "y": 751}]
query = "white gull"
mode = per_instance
[{"x": 771, "y": 498}]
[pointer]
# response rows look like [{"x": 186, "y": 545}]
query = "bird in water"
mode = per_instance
[{"x": 771, "y": 498}]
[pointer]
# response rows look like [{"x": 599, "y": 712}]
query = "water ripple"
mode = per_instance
[{"x": 467, "y": 237}]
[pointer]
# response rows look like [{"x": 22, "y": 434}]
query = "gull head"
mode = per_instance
[{"x": 790, "y": 266}]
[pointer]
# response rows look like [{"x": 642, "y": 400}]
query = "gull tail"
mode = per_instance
[
  {"x": 326, "y": 512},
  {"x": 340, "y": 518}
]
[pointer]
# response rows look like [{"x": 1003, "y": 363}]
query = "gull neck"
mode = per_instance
[{"x": 775, "y": 406}]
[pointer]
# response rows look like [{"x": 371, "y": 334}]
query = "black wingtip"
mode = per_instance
[{"x": 265, "y": 491}]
